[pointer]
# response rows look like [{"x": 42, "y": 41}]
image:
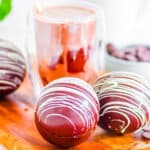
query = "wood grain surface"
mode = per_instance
[{"x": 18, "y": 131}]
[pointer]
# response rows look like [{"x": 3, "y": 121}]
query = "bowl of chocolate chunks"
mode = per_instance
[{"x": 133, "y": 58}]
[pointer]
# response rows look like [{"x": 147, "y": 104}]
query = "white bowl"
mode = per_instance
[{"x": 115, "y": 64}]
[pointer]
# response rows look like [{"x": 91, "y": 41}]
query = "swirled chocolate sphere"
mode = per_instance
[
  {"x": 67, "y": 112},
  {"x": 125, "y": 101},
  {"x": 12, "y": 67}
]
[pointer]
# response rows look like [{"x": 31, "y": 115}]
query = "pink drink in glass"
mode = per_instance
[{"x": 65, "y": 42}]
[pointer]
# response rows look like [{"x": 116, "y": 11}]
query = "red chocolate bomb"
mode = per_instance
[
  {"x": 67, "y": 112},
  {"x": 125, "y": 101}
]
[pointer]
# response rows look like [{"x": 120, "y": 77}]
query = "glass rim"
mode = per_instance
[{"x": 81, "y": 4}]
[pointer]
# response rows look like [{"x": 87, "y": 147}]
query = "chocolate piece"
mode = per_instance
[
  {"x": 143, "y": 54},
  {"x": 147, "y": 128},
  {"x": 110, "y": 48},
  {"x": 146, "y": 135},
  {"x": 132, "y": 53},
  {"x": 67, "y": 112},
  {"x": 12, "y": 67},
  {"x": 118, "y": 54},
  {"x": 124, "y": 99},
  {"x": 130, "y": 57}
]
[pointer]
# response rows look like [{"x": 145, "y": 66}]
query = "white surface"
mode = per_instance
[
  {"x": 115, "y": 64},
  {"x": 126, "y": 20},
  {"x": 2, "y": 147},
  {"x": 14, "y": 26},
  {"x": 124, "y": 23}
]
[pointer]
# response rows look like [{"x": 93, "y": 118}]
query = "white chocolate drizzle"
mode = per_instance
[
  {"x": 127, "y": 95},
  {"x": 70, "y": 94},
  {"x": 12, "y": 66}
]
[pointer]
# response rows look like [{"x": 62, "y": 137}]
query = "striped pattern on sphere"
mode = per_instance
[
  {"x": 67, "y": 111},
  {"x": 12, "y": 67},
  {"x": 125, "y": 101}
]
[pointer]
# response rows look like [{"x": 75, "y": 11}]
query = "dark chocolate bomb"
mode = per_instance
[
  {"x": 12, "y": 67},
  {"x": 125, "y": 102}
]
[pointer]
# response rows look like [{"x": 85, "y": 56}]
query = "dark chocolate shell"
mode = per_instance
[{"x": 12, "y": 67}]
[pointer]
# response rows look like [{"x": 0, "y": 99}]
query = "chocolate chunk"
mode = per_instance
[
  {"x": 147, "y": 128},
  {"x": 143, "y": 54},
  {"x": 130, "y": 57},
  {"x": 146, "y": 135},
  {"x": 118, "y": 54},
  {"x": 110, "y": 48},
  {"x": 132, "y": 53},
  {"x": 12, "y": 67}
]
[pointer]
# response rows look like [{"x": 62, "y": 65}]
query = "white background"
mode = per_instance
[
  {"x": 125, "y": 21},
  {"x": 14, "y": 26}
]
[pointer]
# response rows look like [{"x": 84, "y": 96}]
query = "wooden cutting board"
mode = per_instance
[{"x": 18, "y": 131}]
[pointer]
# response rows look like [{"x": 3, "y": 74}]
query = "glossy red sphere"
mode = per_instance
[
  {"x": 67, "y": 112},
  {"x": 125, "y": 101}
]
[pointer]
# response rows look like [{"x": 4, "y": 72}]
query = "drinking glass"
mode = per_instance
[{"x": 68, "y": 39}]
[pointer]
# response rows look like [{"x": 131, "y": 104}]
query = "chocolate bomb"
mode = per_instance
[
  {"x": 67, "y": 112},
  {"x": 12, "y": 67},
  {"x": 125, "y": 102}
]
